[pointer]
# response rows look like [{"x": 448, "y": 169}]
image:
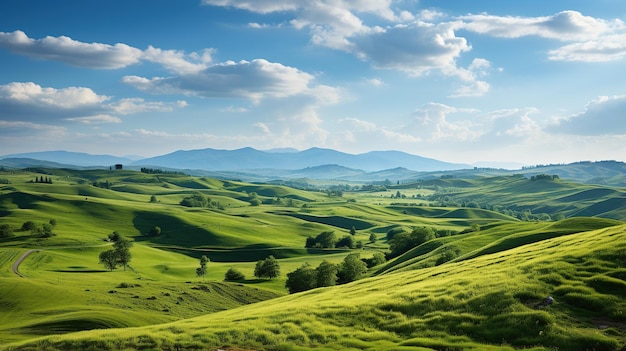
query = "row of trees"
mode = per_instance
[
  {"x": 329, "y": 239},
  {"x": 328, "y": 274},
  {"x": 42, "y": 179}
]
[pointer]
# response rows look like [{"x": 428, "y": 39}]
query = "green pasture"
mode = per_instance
[
  {"x": 485, "y": 303},
  {"x": 479, "y": 299}
]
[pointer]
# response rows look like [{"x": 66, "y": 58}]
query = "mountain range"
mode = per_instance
[
  {"x": 316, "y": 163},
  {"x": 247, "y": 159}
]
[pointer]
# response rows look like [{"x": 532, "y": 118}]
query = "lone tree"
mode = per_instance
[
  {"x": 122, "y": 248},
  {"x": 109, "y": 259},
  {"x": 201, "y": 271},
  {"x": 268, "y": 268}
]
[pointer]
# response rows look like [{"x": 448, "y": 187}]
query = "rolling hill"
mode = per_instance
[{"x": 478, "y": 285}]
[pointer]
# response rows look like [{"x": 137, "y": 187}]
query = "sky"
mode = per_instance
[{"x": 498, "y": 82}]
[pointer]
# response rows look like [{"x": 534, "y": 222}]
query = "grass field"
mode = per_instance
[{"x": 480, "y": 298}]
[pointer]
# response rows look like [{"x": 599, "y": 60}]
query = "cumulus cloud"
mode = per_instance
[
  {"x": 415, "y": 48},
  {"x": 30, "y": 101},
  {"x": 72, "y": 52},
  {"x": 603, "y": 116},
  {"x": 565, "y": 26},
  {"x": 256, "y": 79},
  {"x": 177, "y": 61},
  {"x": 594, "y": 40},
  {"x": 609, "y": 48}
]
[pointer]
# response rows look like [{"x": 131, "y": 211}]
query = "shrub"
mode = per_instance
[
  {"x": 5, "y": 231},
  {"x": 233, "y": 274}
]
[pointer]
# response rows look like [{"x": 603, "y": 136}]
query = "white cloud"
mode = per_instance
[
  {"x": 603, "y": 116},
  {"x": 177, "y": 61},
  {"x": 234, "y": 109},
  {"x": 594, "y": 40},
  {"x": 608, "y": 48},
  {"x": 256, "y": 80},
  {"x": 19, "y": 101},
  {"x": 138, "y": 105},
  {"x": 565, "y": 26},
  {"x": 416, "y": 48},
  {"x": 258, "y": 25},
  {"x": 98, "y": 119},
  {"x": 30, "y": 101},
  {"x": 72, "y": 52}
]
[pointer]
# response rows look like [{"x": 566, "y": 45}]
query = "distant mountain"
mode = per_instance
[
  {"x": 251, "y": 159},
  {"x": 72, "y": 158}
]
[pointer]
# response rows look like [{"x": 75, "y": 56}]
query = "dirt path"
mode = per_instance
[{"x": 16, "y": 266}]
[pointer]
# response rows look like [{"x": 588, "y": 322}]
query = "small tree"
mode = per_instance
[
  {"x": 352, "y": 231},
  {"x": 201, "y": 271},
  {"x": 268, "y": 268},
  {"x": 115, "y": 236},
  {"x": 326, "y": 239},
  {"x": 326, "y": 274},
  {"x": 233, "y": 274},
  {"x": 372, "y": 238},
  {"x": 347, "y": 241},
  {"x": 6, "y": 231},
  {"x": 155, "y": 231},
  {"x": 109, "y": 259},
  {"x": 122, "y": 248},
  {"x": 29, "y": 225},
  {"x": 153, "y": 199},
  {"x": 302, "y": 279},
  {"x": 352, "y": 268}
]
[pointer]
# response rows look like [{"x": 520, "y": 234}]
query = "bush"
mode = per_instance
[
  {"x": 29, "y": 225},
  {"x": 5, "y": 231},
  {"x": 233, "y": 274}
]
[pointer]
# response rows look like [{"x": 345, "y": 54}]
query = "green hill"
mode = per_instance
[
  {"x": 472, "y": 287},
  {"x": 486, "y": 303}
]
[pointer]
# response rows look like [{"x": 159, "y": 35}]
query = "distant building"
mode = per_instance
[{"x": 118, "y": 166}]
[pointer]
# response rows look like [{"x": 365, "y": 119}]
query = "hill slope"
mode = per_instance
[{"x": 492, "y": 302}]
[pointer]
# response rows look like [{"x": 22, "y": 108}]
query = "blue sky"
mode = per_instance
[{"x": 526, "y": 82}]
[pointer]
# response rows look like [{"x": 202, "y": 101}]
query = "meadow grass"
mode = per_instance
[
  {"x": 478, "y": 304},
  {"x": 483, "y": 299}
]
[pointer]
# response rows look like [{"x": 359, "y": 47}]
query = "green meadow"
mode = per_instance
[{"x": 502, "y": 245}]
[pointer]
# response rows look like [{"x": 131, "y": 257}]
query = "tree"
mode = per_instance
[
  {"x": 201, "y": 271},
  {"x": 233, "y": 274},
  {"x": 310, "y": 242},
  {"x": 122, "y": 248},
  {"x": 347, "y": 241},
  {"x": 109, "y": 259},
  {"x": 6, "y": 231},
  {"x": 302, "y": 279},
  {"x": 197, "y": 199},
  {"x": 372, "y": 238},
  {"x": 115, "y": 236},
  {"x": 352, "y": 268},
  {"x": 326, "y": 274},
  {"x": 352, "y": 231},
  {"x": 29, "y": 225},
  {"x": 155, "y": 231},
  {"x": 268, "y": 268},
  {"x": 326, "y": 239},
  {"x": 153, "y": 199}
]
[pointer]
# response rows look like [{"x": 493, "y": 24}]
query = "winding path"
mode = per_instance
[{"x": 16, "y": 266}]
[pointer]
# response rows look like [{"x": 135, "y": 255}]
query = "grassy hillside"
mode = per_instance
[
  {"x": 486, "y": 303},
  {"x": 63, "y": 288}
]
